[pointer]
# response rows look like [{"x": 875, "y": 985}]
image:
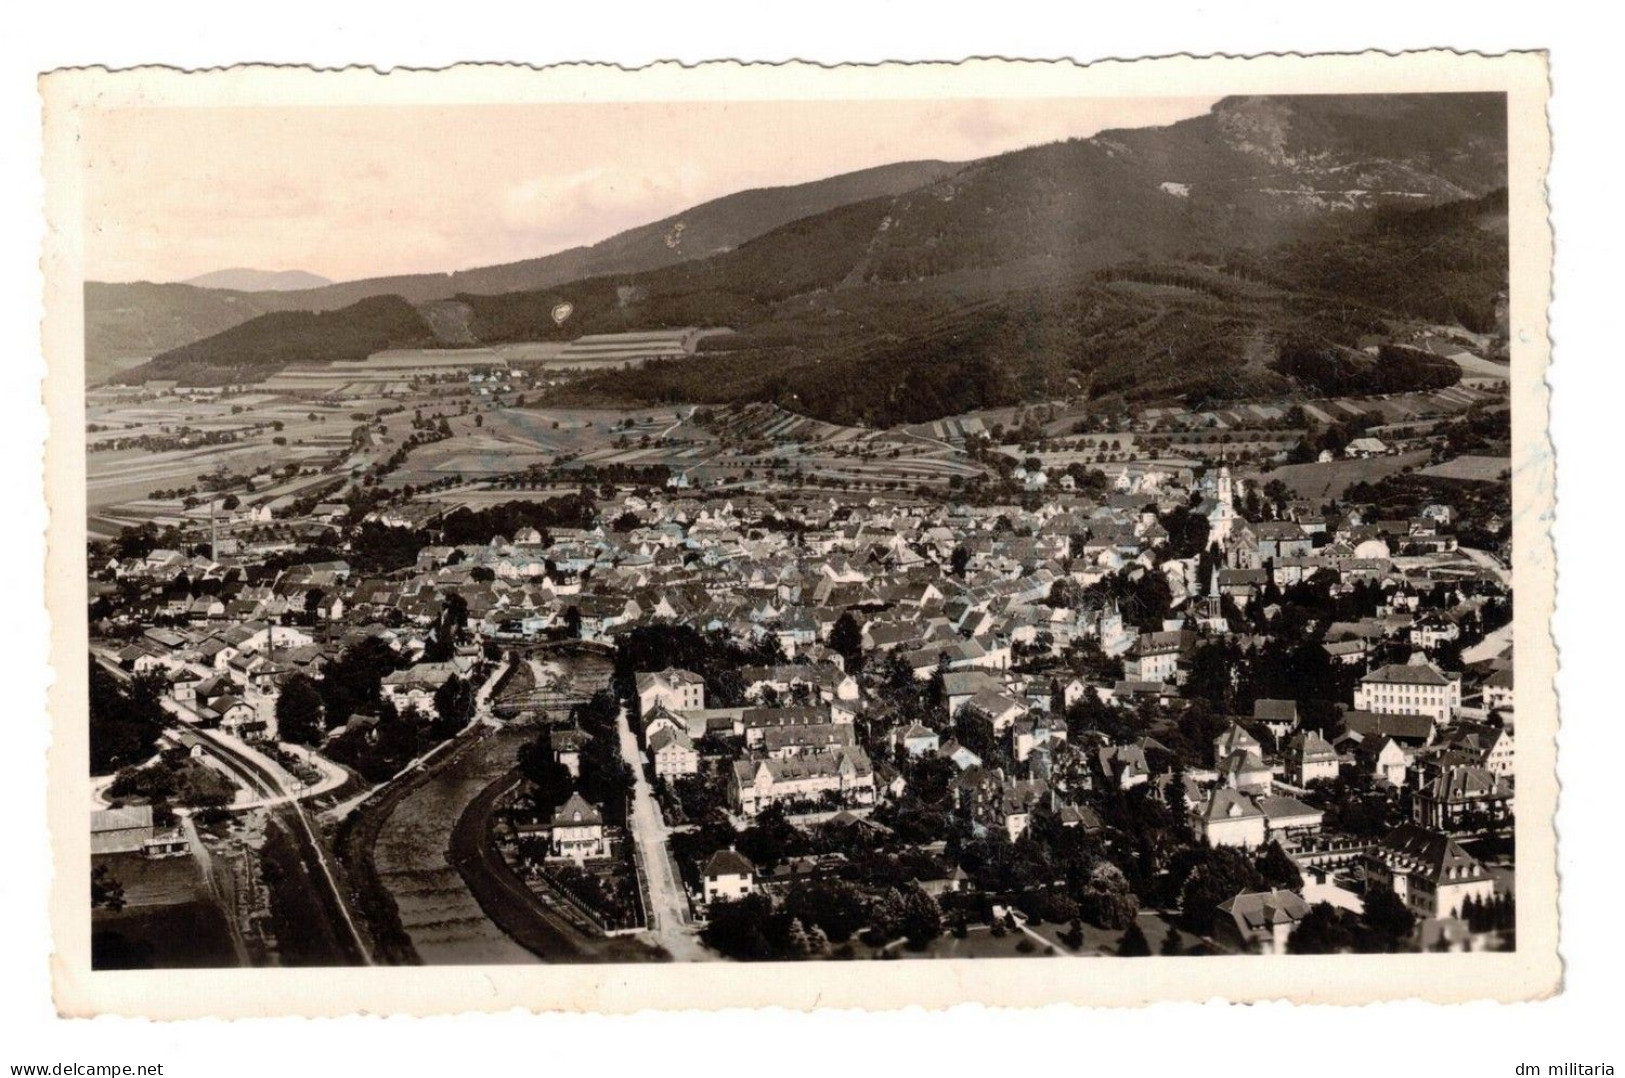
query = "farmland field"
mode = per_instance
[
  {"x": 507, "y": 440},
  {"x": 118, "y": 480}
]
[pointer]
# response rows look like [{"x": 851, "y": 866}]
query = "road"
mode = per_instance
[
  {"x": 669, "y": 915},
  {"x": 481, "y": 719},
  {"x": 1485, "y": 560},
  {"x": 1492, "y": 644},
  {"x": 226, "y": 902},
  {"x": 1489, "y": 647}
]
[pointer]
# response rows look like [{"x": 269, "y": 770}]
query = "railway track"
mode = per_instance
[{"x": 286, "y": 806}]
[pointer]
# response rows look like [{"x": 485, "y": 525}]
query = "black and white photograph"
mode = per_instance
[{"x": 1031, "y": 529}]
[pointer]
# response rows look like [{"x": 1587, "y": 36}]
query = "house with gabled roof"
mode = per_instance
[
  {"x": 1246, "y": 771},
  {"x": 577, "y": 831},
  {"x": 1229, "y": 818},
  {"x": 1261, "y": 922},
  {"x": 727, "y": 877},
  {"x": 1310, "y": 758},
  {"x": 1235, "y": 739},
  {"x": 917, "y": 739},
  {"x": 1428, "y": 871},
  {"x": 673, "y": 754},
  {"x": 1456, "y": 798},
  {"x": 1279, "y": 717},
  {"x": 671, "y": 688}
]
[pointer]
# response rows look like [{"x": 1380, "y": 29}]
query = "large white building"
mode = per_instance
[
  {"x": 1429, "y": 872},
  {"x": 1410, "y": 689},
  {"x": 677, "y": 689},
  {"x": 844, "y": 771}
]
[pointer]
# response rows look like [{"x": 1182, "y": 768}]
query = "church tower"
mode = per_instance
[{"x": 1222, "y": 517}]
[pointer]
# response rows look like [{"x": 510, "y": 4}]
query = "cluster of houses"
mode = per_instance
[{"x": 983, "y": 601}]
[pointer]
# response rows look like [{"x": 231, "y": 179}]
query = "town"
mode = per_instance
[{"x": 411, "y": 664}]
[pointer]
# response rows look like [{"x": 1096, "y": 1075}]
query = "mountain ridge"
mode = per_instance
[
  {"x": 140, "y": 318},
  {"x": 245, "y": 279},
  {"x": 1178, "y": 259}
]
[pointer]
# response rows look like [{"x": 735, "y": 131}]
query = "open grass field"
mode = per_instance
[
  {"x": 1477, "y": 367},
  {"x": 170, "y": 919},
  {"x": 1476, "y": 469},
  {"x": 1323, "y": 482}
]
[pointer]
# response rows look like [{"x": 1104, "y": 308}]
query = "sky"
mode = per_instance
[{"x": 352, "y": 192}]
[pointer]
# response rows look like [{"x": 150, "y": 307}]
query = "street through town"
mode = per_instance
[{"x": 669, "y": 919}]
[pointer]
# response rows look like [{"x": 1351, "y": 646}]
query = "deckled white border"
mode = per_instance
[{"x": 1532, "y": 972}]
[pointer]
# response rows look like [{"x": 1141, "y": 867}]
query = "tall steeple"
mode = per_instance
[{"x": 1222, "y": 516}]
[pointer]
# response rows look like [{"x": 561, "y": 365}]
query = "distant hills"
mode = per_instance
[
  {"x": 266, "y": 344},
  {"x": 145, "y": 319},
  {"x": 239, "y": 279},
  {"x": 1173, "y": 261}
]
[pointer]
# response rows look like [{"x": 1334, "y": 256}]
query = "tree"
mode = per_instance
[
  {"x": 551, "y": 778},
  {"x": 1387, "y": 919},
  {"x": 125, "y": 721},
  {"x": 1106, "y": 899},
  {"x": 300, "y": 714},
  {"x": 959, "y": 560},
  {"x": 771, "y": 838},
  {"x": 1279, "y": 870},
  {"x": 886, "y": 918},
  {"x": 1134, "y": 944},
  {"x": 1325, "y": 929},
  {"x": 1172, "y": 944},
  {"x": 453, "y": 704},
  {"x": 922, "y": 918},
  {"x": 847, "y": 638},
  {"x": 836, "y": 907},
  {"x": 106, "y": 893},
  {"x": 738, "y": 929},
  {"x": 1210, "y": 876}
]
